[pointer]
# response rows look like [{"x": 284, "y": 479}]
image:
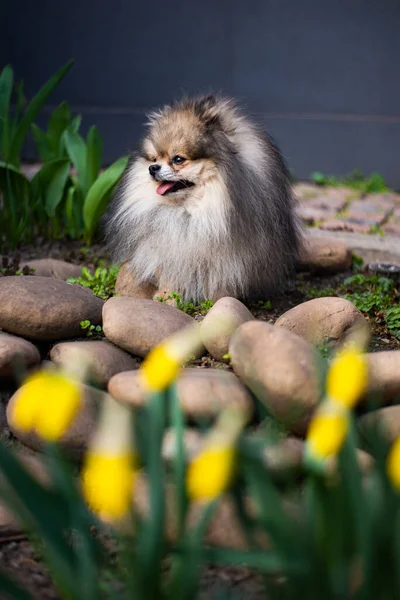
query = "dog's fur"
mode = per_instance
[{"x": 230, "y": 230}]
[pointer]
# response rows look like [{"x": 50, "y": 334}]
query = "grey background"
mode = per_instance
[{"x": 322, "y": 75}]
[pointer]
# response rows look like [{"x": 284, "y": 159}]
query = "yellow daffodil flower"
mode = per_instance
[
  {"x": 47, "y": 402},
  {"x": 327, "y": 433},
  {"x": 110, "y": 464},
  {"x": 347, "y": 377},
  {"x": 162, "y": 364},
  {"x": 211, "y": 473},
  {"x": 393, "y": 464},
  {"x": 107, "y": 483}
]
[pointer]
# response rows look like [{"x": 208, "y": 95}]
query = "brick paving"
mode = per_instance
[{"x": 344, "y": 209}]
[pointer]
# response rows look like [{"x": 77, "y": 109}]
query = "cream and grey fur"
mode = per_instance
[{"x": 228, "y": 228}]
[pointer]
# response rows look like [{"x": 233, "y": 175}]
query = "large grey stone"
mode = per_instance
[{"x": 46, "y": 309}]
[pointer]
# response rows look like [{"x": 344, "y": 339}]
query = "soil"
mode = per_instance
[{"x": 17, "y": 556}]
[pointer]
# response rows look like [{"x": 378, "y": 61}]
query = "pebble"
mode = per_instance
[
  {"x": 202, "y": 392},
  {"x": 137, "y": 325},
  {"x": 279, "y": 368},
  {"x": 322, "y": 320},
  {"x": 46, "y": 309},
  {"x": 384, "y": 374},
  {"x": 15, "y": 351},
  {"x": 51, "y": 267},
  {"x": 104, "y": 358},
  {"x": 220, "y": 323},
  {"x": 324, "y": 256},
  {"x": 126, "y": 285},
  {"x": 386, "y": 419},
  {"x": 225, "y": 529},
  {"x": 75, "y": 439},
  {"x": 288, "y": 454}
]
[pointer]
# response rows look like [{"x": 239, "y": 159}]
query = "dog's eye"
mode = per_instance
[{"x": 178, "y": 160}]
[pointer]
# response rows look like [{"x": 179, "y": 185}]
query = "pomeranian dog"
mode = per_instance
[{"x": 205, "y": 208}]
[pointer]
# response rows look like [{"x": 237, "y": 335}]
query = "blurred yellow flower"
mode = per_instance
[
  {"x": 159, "y": 369},
  {"x": 327, "y": 433},
  {"x": 211, "y": 472},
  {"x": 107, "y": 483},
  {"x": 47, "y": 402},
  {"x": 110, "y": 464},
  {"x": 347, "y": 377},
  {"x": 162, "y": 364},
  {"x": 393, "y": 464}
]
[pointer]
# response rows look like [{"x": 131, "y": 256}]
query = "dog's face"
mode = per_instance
[{"x": 176, "y": 156}]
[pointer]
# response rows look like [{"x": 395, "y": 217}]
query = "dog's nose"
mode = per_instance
[{"x": 153, "y": 169}]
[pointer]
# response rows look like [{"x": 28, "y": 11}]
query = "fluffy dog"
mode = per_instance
[{"x": 205, "y": 208}]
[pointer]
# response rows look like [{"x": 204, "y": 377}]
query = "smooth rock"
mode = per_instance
[
  {"x": 16, "y": 351},
  {"x": 104, "y": 358},
  {"x": 225, "y": 529},
  {"x": 46, "y": 309},
  {"x": 384, "y": 420},
  {"x": 202, "y": 392},
  {"x": 322, "y": 320},
  {"x": 126, "y": 285},
  {"x": 75, "y": 439},
  {"x": 192, "y": 442},
  {"x": 287, "y": 454},
  {"x": 51, "y": 267},
  {"x": 279, "y": 368},
  {"x": 325, "y": 255},
  {"x": 384, "y": 374},
  {"x": 220, "y": 323},
  {"x": 137, "y": 325}
]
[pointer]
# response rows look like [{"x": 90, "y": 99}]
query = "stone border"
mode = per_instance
[{"x": 370, "y": 247}]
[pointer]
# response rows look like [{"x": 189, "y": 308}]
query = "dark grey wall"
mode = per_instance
[{"x": 323, "y": 75}]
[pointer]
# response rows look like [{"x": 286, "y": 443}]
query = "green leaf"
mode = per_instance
[
  {"x": 59, "y": 120},
  {"x": 94, "y": 151},
  {"x": 178, "y": 423},
  {"x": 76, "y": 123},
  {"x": 42, "y": 511},
  {"x": 12, "y": 590},
  {"x": 32, "y": 111},
  {"x": 42, "y": 144},
  {"x": 97, "y": 198},
  {"x": 50, "y": 182},
  {"x": 152, "y": 534},
  {"x": 6, "y": 85},
  {"x": 76, "y": 150}
]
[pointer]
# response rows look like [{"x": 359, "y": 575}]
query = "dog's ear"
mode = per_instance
[{"x": 207, "y": 109}]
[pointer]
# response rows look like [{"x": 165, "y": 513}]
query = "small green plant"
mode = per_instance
[
  {"x": 375, "y": 183},
  {"x": 90, "y": 191},
  {"x": 101, "y": 282},
  {"x": 15, "y": 126},
  {"x": 91, "y": 329},
  {"x": 369, "y": 292},
  {"x": 265, "y": 304},
  {"x": 357, "y": 263},
  {"x": 26, "y": 205},
  {"x": 55, "y": 203},
  {"x": 188, "y": 307},
  {"x": 50, "y": 143},
  {"x": 392, "y": 318}
]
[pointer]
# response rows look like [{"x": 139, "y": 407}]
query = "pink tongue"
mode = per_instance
[{"x": 164, "y": 187}]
